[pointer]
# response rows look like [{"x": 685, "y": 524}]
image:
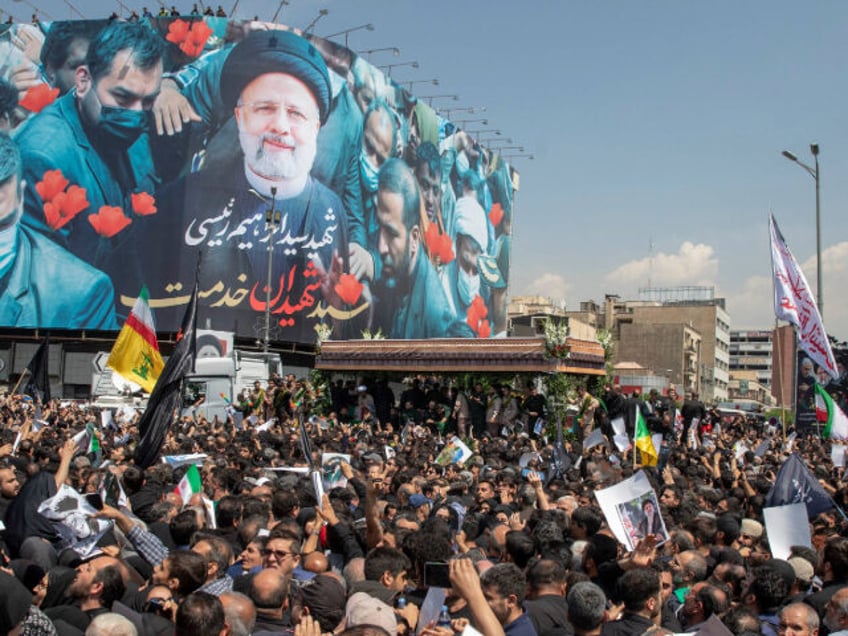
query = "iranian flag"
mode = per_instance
[
  {"x": 189, "y": 485},
  {"x": 828, "y": 413},
  {"x": 135, "y": 355}
]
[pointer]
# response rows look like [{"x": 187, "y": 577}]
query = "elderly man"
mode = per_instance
[
  {"x": 279, "y": 90},
  {"x": 799, "y": 619},
  {"x": 96, "y": 136},
  {"x": 43, "y": 285},
  {"x": 413, "y": 302}
]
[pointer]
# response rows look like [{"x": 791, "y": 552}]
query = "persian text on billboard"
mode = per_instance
[{"x": 380, "y": 214}]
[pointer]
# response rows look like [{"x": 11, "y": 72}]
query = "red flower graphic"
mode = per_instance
[
  {"x": 143, "y": 204},
  {"x": 348, "y": 289},
  {"x": 476, "y": 317},
  {"x": 178, "y": 31},
  {"x": 52, "y": 183},
  {"x": 196, "y": 40},
  {"x": 39, "y": 96},
  {"x": 64, "y": 207},
  {"x": 109, "y": 220},
  {"x": 496, "y": 214},
  {"x": 484, "y": 330},
  {"x": 190, "y": 37},
  {"x": 438, "y": 244},
  {"x": 75, "y": 201}
]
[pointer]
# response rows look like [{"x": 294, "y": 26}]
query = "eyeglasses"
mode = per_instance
[{"x": 279, "y": 554}]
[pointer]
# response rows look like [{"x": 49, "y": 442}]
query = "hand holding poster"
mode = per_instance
[
  {"x": 455, "y": 452},
  {"x": 331, "y": 470},
  {"x": 632, "y": 511}
]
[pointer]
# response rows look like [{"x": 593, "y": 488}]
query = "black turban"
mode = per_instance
[{"x": 264, "y": 52}]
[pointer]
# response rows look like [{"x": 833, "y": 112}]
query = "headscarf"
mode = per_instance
[{"x": 15, "y": 602}]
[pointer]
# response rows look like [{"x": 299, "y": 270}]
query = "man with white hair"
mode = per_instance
[{"x": 111, "y": 624}]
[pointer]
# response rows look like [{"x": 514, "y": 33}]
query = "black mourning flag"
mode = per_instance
[
  {"x": 38, "y": 382},
  {"x": 156, "y": 420},
  {"x": 795, "y": 484}
]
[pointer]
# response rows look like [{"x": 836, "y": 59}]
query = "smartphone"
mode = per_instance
[
  {"x": 94, "y": 501},
  {"x": 436, "y": 574}
]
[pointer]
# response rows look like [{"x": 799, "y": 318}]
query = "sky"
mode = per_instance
[{"x": 656, "y": 130}]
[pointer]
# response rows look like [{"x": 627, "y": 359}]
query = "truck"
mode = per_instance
[
  {"x": 217, "y": 381},
  {"x": 208, "y": 391}
]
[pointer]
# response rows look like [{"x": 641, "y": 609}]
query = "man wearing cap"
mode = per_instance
[
  {"x": 278, "y": 88},
  {"x": 41, "y": 283}
]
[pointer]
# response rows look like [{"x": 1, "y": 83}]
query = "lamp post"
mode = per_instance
[
  {"x": 483, "y": 132},
  {"x": 530, "y": 157},
  {"x": 411, "y": 83},
  {"x": 346, "y": 32},
  {"x": 471, "y": 110},
  {"x": 312, "y": 24},
  {"x": 283, "y": 3},
  {"x": 485, "y": 141},
  {"x": 395, "y": 51},
  {"x": 463, "y": 122},
  {"x": 273, "y": 216},
  {"x": 502, "y": 148},
  {"x": 430, "y": 98},
  {"x": 814, "y": 173},
  {"x": 388, "y": 67}
]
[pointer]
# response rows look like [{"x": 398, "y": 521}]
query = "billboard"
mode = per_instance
[
  {"x": 286, "y": 172},
  {"x": 808, "y": 374}
]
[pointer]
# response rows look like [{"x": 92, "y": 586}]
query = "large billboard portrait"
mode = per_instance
[{"x": 284, "y": 171}]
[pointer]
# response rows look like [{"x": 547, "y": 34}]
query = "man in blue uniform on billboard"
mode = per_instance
[
  {"x": 41, "y": 284},
  {"x": 96, "y": 137},
  {"x": 413, "y": 303},
  {"x": 277, "y": 85}
]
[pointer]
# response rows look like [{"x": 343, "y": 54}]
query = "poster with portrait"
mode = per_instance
[
  {"x": 808, "y": 374},
  {"x": 267, "y": 163},
  {"x": 331, "y": 470},
  {"x": 632, "y": 510}
]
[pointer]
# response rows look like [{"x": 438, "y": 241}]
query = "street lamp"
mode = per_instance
[
  {"x": 395, "y": 51},
  {"x": 814, "y": 173},
  {"x": 273, "y": 217},
  {"x": 530, "y": 157},
  {"x": 472, "y": 110},
  {"x": 388, "y": 67},
  {"x": 410, "y": 83},
  {"x": 481, "y": 132},
  {"x": 430, "y": 98},
  {"x": 502, "y": 148},
  {"x": 283, "y": 3},
  {"x": 463, "y": 122},
  {"x": 312, "y": 24},
  {"x": 346, "y": 32},
  {"x": 487, "y": 140}
]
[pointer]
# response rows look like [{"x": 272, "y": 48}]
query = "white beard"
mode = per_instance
[{"x": 282, "y": 164}]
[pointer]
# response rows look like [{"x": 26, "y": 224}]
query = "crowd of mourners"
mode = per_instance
[{"x": 502, "y": 543}]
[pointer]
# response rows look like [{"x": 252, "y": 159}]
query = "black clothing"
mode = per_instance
[{"x": 547, "y": 612}]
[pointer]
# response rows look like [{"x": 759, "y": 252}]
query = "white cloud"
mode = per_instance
[
  {"x": 691, "y": 265},
  {"x": 751, "y": 305},
  {"x": 834, "y": 272},
  {"x": 553, "y": 286}
]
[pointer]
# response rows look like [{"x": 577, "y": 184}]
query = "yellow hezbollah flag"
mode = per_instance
[
  {"x": 135, "y": 355},
  {"x": 643, "y": 440}
]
